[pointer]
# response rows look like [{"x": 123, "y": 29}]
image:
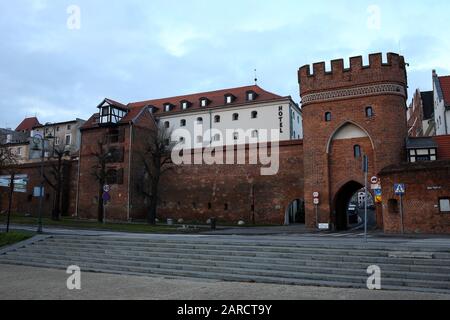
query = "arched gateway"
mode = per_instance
[{"x": 338, "y": 130}]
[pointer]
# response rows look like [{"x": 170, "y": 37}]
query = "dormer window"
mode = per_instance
[
  {"x": 152, "y": 109},
  {"x": 204, "y": 102},
  {"x": 168, "y": 107},
  {"x": 111, "y": 114},
  {"x": 229, "y": 98},
  {"x": 251, "y": 95},
  {"x": 185, "y": 105}
]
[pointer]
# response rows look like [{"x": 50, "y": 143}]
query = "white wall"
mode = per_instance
[
  {"x": 440, "y": 115},
  {"x": 268, "y": 118}
]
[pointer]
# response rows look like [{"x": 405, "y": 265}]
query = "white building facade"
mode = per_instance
[
  {"x": 441, "y": 89},
  {"x": 231, "y": 116}
]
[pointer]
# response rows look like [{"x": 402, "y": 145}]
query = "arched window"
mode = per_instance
[
  {"x": 328, "y": 116},
  {"x": 235, "y": 117},
  {"x": 199, "y": 120},
  {"x": 369, "y": 112},
  {"x": 183, "y": 123},
  {"x": 217, "y": 119},
  {"x": 254, "y": 114},
  {"x": 167, "y": 124},
  {"x": 357, "y": 151}
]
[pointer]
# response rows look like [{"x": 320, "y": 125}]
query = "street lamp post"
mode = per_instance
[{"x": 41, "y": 188}]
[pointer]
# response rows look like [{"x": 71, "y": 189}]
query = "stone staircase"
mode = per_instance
[{"x": 325, "y": 263}]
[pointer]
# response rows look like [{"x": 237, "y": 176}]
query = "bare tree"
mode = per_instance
[
  {"x": 56, "y": 176},
  {"x": 100, "y": 173},
  {"x": 8, "y": 160},
  {"x": 156, "y": 160}
]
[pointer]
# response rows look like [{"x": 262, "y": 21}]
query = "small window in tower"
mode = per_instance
[
  {"x": 254, "y": 114},
  {"x": 167, "y": 124},
  {"x": 199, "y": 120},
  {"x": 183, "y": 123},
  {"x": 235, "y": 117},
  {"x": 217, "y": 119},
  {"x": 328, "y": 116},
  {"x": 357, "y": 151},
  {"x": 369, "y": 112},
  {"x": 444, "y": 205}
]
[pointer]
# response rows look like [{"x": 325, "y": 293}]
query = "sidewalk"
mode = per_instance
[{"x": 25, "y": 283}]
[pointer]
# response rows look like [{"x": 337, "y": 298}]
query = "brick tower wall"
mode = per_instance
[{"x": 346, "y": 93}]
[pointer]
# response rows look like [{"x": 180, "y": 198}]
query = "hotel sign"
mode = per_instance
[{"x": 280, "y": 117}]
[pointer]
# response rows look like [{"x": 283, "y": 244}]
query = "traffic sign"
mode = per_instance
[
  {"x": 106, "y": 197},
  {"x": 374, "y": 180},
  {"x": 399, "y": 189},
  {"x": 316, "y": 201},
  {"x": 378, "y": 197},
  {"x": 315, "y": 194},
  {"x": 106, "y": 188}
]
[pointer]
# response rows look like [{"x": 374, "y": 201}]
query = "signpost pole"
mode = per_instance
[
  {"x": 41, "y": 191},
  {"x": 317, "y": 216},
  {"x": 366, "y": 170},
  {"x": 401, "y": 213},
  {"x": 11, "y": 193}
]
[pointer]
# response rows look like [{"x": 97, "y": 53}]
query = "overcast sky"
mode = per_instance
[{"x": 59, "y": 67}]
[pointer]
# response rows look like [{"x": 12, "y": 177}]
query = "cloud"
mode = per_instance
[{"x": 138, "y": 49}]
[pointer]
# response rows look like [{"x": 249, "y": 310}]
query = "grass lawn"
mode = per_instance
[
  {"x": 85, "y": 224},
  {"x": 13, "y": 237}
]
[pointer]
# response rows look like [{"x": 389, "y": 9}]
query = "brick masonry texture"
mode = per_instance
[
  {"x": 326, "y": 170},
  {"x": 317, "y": 163},
  {"x": 425, "y": 184}
]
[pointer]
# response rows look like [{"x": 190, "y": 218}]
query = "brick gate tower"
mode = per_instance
[{"x": 348, "y": 113}]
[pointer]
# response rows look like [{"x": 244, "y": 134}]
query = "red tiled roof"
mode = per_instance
[
  {"x": 443, "y": 147},
  {"x": 216, "y": 98},
  {"x": 28, "y": 124},
  {"x": 445, "y": 86}
]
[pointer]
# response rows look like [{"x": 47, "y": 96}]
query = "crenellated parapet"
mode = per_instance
[{"x": 376, "y": 78}]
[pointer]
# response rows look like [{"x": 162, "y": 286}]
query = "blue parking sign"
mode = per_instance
[{"x": 399, "y": 189}]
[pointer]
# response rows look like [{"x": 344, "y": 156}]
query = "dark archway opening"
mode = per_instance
[
  {"x": 341, "y": 204},
  {"x": 295, "y": 212}
]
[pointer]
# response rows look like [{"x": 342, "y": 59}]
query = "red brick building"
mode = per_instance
[{"x": 348, "y": 113}]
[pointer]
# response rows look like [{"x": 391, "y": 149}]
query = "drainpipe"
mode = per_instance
[
  {"x": 78, "y": 176},
  {"x": 129, "y": 171},
  {"x": 210, "y": 126}
]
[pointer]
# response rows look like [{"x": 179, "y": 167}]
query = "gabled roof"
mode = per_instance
[
  {"x": 428, "y": 104},
  {"x": 131, "y": 116},
  {"x": 28, "y": 124},
  {"x": 216, "y": 99},
  {"x": 445, "y": 88}
]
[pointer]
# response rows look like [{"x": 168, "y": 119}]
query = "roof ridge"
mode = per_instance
[{"x": 205, "y": 93}]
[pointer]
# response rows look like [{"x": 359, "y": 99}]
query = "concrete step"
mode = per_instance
[
  {"x": 276, "y": 262},
  {"x": 295, "y": 266},
  {"x": 254, "y": 253},
  {"x": 277, "y": 243},
  {"x": 230, "y": 273},
  {"x": 236, "y": 247}
]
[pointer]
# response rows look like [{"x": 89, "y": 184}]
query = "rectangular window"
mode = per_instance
[
  {"x": 444, "y": 205},
  {"x": 68, "y": 139}
]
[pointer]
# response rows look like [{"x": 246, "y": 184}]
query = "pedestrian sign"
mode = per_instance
[{"x": 399, "y": 189}]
